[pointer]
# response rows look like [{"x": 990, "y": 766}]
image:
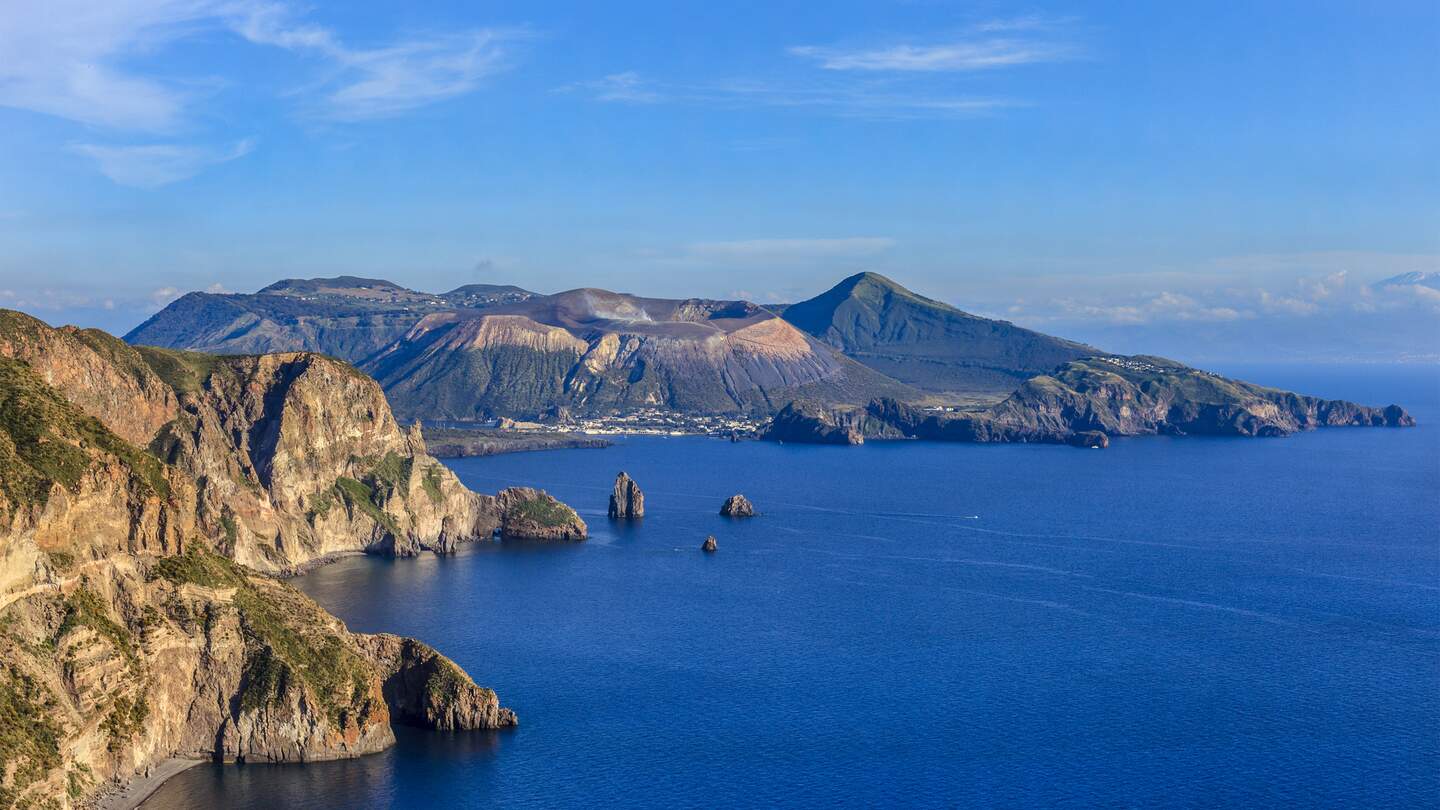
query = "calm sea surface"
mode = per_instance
[{"x": 1167, "y": 623}]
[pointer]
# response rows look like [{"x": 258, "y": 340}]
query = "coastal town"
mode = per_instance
[{"x": 636, "y": 422}]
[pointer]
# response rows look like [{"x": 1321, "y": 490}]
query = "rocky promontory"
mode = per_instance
[
  {"x": 1085, "y": 402},
  {"x": 424, "y": 688},
  {"x": 296, "y": 457},
  {"x": 810, "y": 423},
  {"x": 134, "y": 487},
  {"x": 627, "y": 502},
  {"x": 533, "y": 514}
]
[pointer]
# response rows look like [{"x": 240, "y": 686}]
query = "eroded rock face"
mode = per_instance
[
  {"x": 299, "y": 458},
  {"x": 533, "y": 514},
  {"x": 738, "y": 506},
  {"x": 807, "y": 423},
  {"x": 1089, "y": 438},
  {"x": 125, "y": 638},
  {"x": 295, "y": 457},
  {"x": 709, "y": 545},
  {"x": 627, "y": 502},
  {"x": 122, "y": 662},
  {"x": 426, "y": 689}
]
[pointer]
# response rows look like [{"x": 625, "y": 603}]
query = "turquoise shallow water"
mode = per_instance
[{"x": 1167, "y": 623}]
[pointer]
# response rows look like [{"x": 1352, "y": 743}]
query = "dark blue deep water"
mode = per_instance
[{"x": 1168, "y": 623}]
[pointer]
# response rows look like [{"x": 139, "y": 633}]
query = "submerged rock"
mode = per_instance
[
  {"x": 534, "y": 514},
  {"x": 627, "y": 501},
  {"x": 709, "y": 545},
  {"x": 738, "y": 506}
]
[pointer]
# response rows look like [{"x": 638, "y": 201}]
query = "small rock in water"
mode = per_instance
[
  {"x": 709, "y": 545},
  {"x": 738, "y": 506}
]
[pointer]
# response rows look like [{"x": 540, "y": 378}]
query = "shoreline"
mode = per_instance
[
  {"x": 134, "y": 793},
  {"x": 310, "y": 565}
]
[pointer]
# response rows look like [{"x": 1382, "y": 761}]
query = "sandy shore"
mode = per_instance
[{"x": 141, "y": 788}]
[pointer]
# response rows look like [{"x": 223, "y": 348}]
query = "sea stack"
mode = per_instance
[
  {"x": 627, "y": 502},
  {"x": 738, "y": 506},
  {"x": 709, "y": 546}
]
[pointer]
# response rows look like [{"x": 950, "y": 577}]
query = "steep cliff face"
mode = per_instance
[
  {"x": 126, "y": 641},
  {"x": 424, "y": 688},
  {"x": 1084, "y": 401},
  {"x": 297, "y": 457},
  {"x": 813, "y": 423}
]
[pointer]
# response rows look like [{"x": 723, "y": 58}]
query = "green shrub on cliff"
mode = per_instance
[
  {"x": 546, "y": 512},
  {"x": 29, "y": 739},
  {"x": 45, "y": 440}
]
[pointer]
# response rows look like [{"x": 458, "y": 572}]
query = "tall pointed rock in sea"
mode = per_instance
[{"x": 627, "y": 502}]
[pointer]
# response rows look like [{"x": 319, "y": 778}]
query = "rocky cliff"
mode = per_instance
[
  {"x": 1084, "y": 402},
  {"x": 125, "y": 638},
  {"x": 296, "y": 457}
]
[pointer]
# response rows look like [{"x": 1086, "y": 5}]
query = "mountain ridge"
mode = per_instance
[
  {"x": 927, "y": 343},
  {"x": 615, "y": 351}
]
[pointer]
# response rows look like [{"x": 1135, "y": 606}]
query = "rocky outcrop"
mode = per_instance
[
  {"x": 709, "y": 545},
  {"x": 128, "y": 634},
  {"x": 627, "y": 502},
  {"x": 738, "y": 506},
  {"x": 299, "y": 458},
  {"x": 1089, "y": 438},
  {"x": 426, "y": 689},
  {"x": 809, "y": 423},
  {"x": 295, "y": 457},
  {"x": 470, "y": 442},
  {"x": 533, "y": 514},
  {"x": 1109, "y": 396}
]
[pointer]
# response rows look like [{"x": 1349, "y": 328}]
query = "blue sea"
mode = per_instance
[{"x": 1192, "y": 622}]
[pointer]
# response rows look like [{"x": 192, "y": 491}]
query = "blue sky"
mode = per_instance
[{"x": 1143, "y": 172}]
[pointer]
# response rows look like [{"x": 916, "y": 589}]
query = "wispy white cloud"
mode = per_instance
[
  {"x": 367, "y": 83},
  {"x": 75, "y": 59},
  {"x": 66, "y": 58},
  {"x": 1206, "y": 296},
  {"x": 874, "y": 100},
  {"x": 1031, "y": 40},
  {"x": 155, "y": 165},
  {"x": 955, "y": 56},
  {"x": 628, "y": 87}
]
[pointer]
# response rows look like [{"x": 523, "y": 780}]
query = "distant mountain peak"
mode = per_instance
[
  {"x": 927, "y": 343},
  {"x": 1415, "y": 278}
]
